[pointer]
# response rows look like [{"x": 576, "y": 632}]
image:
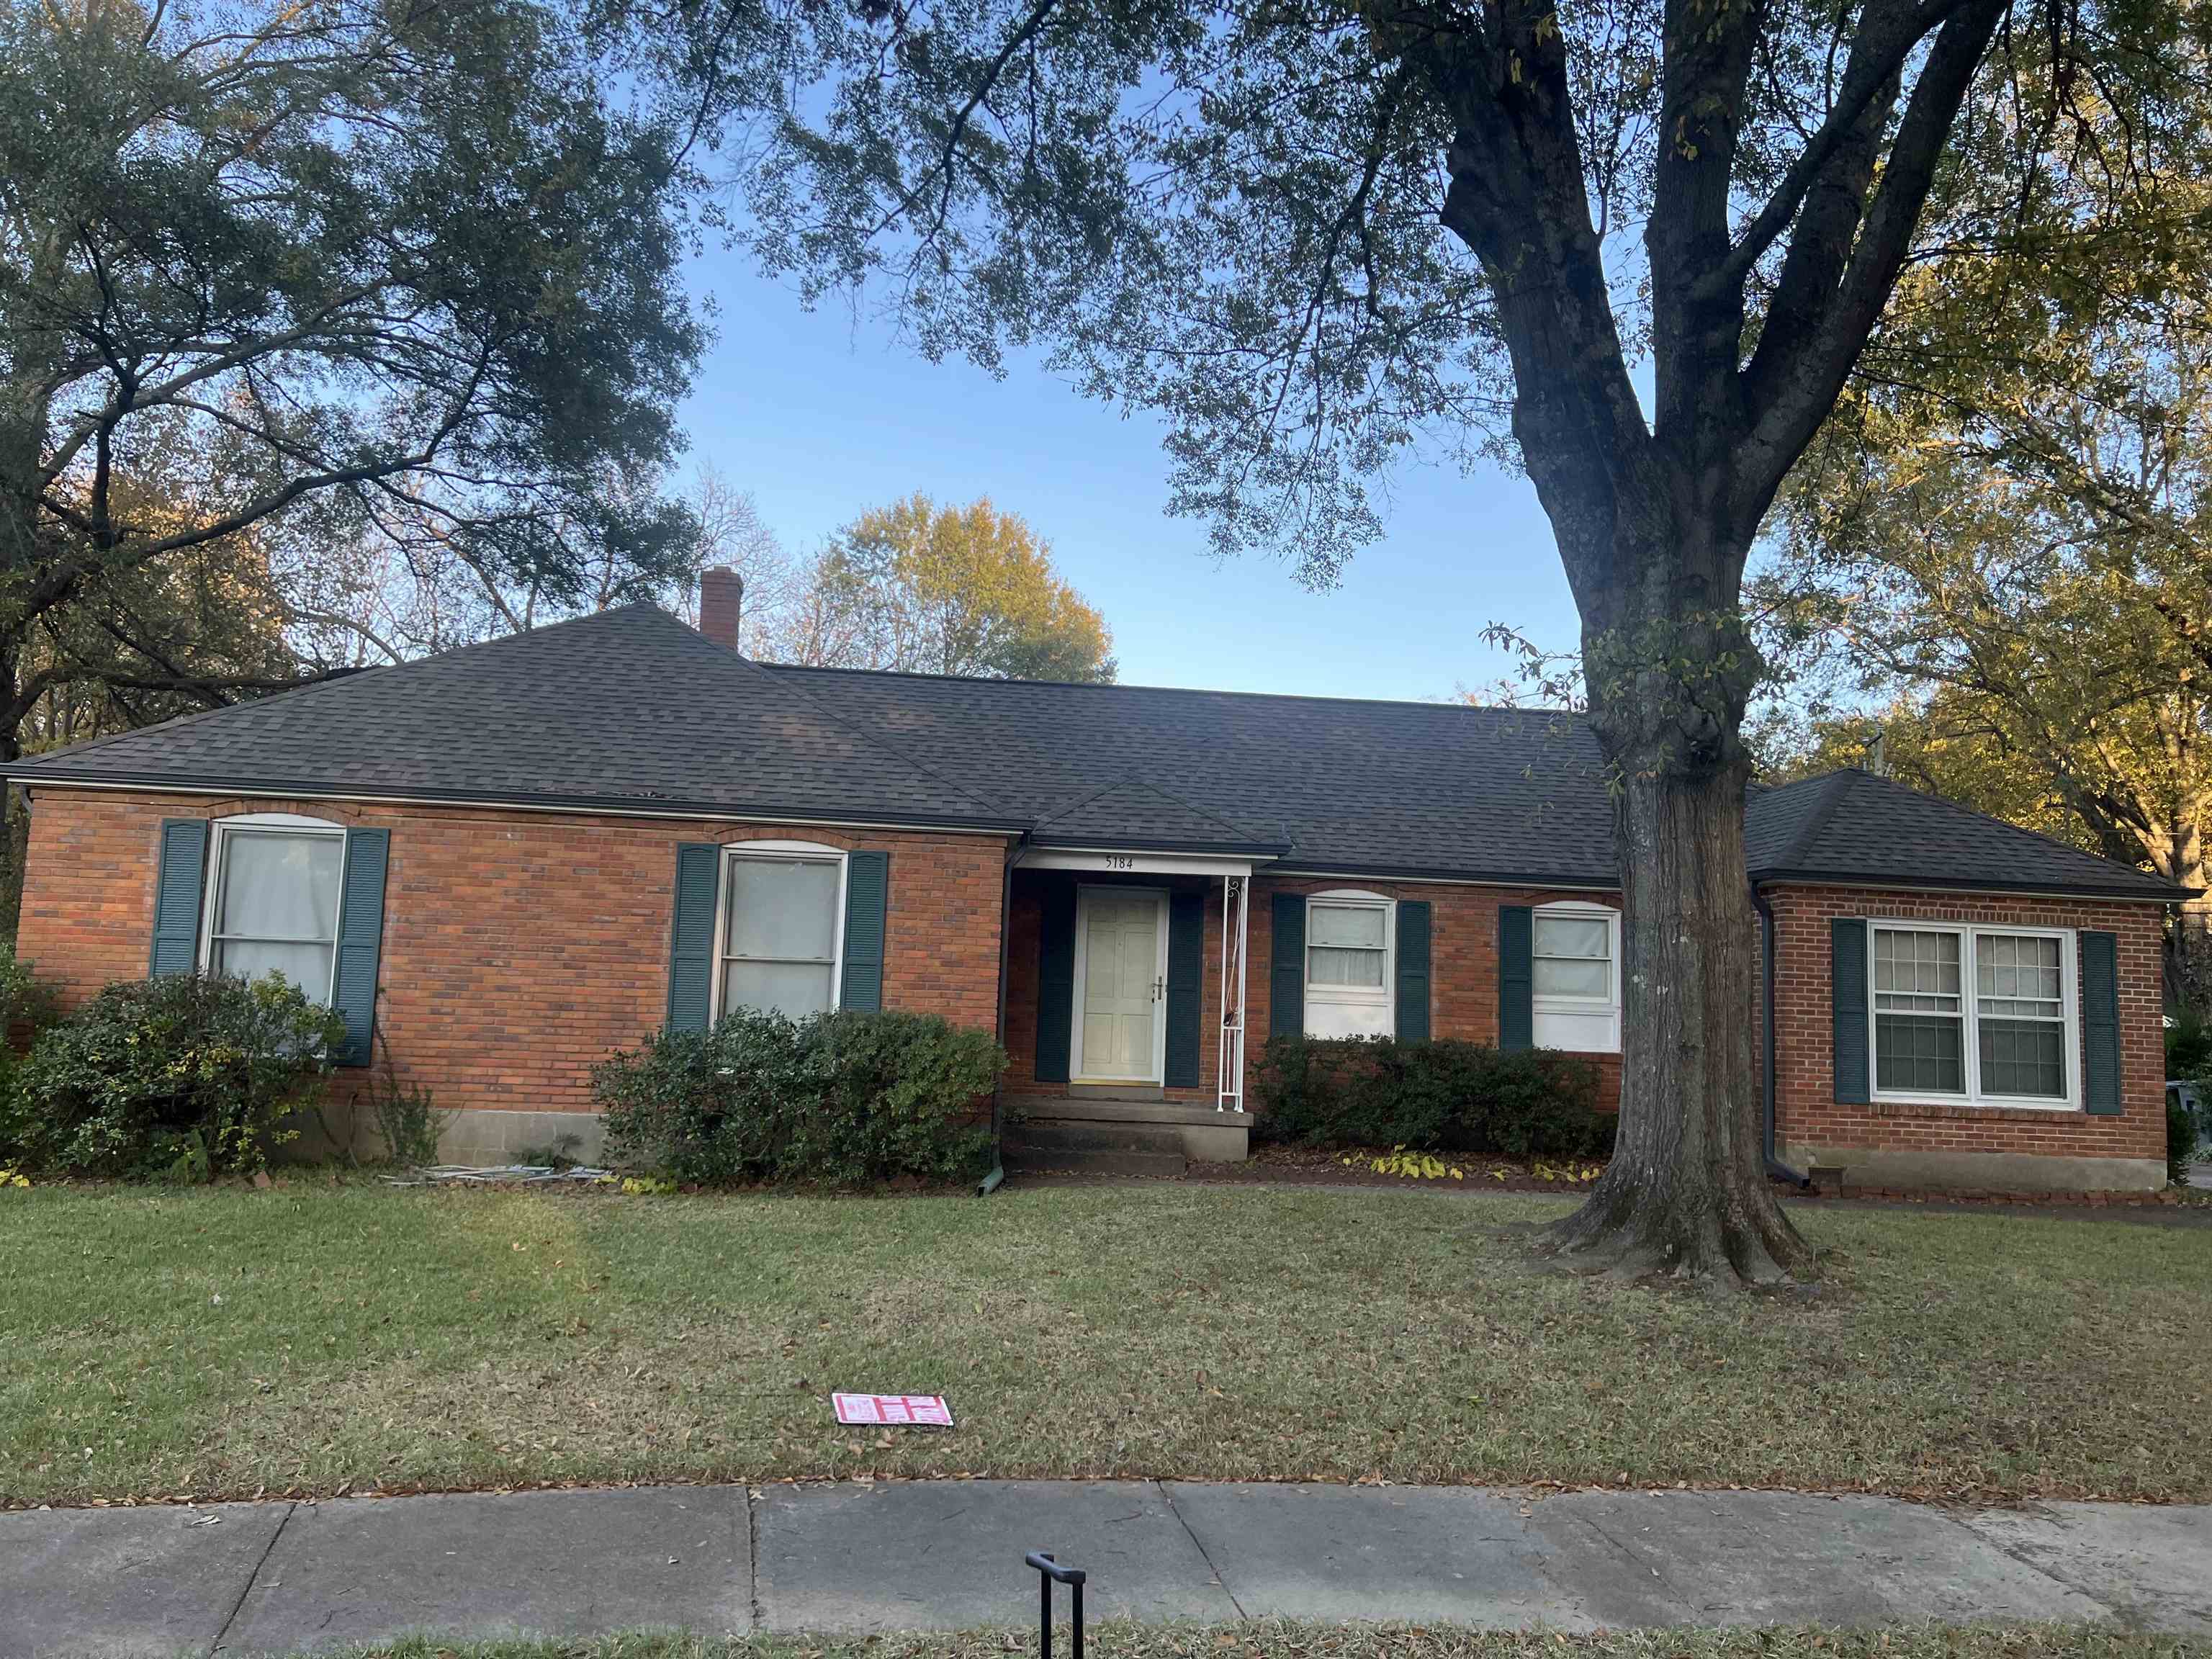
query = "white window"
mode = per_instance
[
  {"x": 272, "y": 902},
  {"x": 1973, "y": 1014},
  {"x": 1350, "y": 941},
  {"x": 1576, "y": 968},
  {"x": 782, "y": 927}
]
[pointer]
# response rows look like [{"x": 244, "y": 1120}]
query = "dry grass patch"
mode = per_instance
[{"x": 310, "y": 1339}]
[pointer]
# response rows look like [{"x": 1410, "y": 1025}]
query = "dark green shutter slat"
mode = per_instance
[
  {"x": 360, "y": 940},
  {"x": 1286, "y": 976},
  {"x": 1412, "y": 993},
  {"x": 691, "y": 936},
  {"x": 1517, "y": 977},
  {"x": 1847, "y": 978},
  {"x": 1186, "y": 971},
  {"x": 2100, "y": 1023},
  {"x": 1056, "y": 1014},
  {"x": 179, "y": 874},
  {"x": 867, "y": 893}
]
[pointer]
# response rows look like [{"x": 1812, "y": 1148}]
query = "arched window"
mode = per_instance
[
  {"x": 1576, "y": 1000},
  {"x": 780, "y": 928},
  {"x": 1351, "y": 950},
  {"x": 272, "y": 899}
]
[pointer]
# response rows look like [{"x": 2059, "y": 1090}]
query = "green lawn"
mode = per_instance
[
  {"x": 1280, "y": 1639},
  {"x": 310, "y": 1338}
]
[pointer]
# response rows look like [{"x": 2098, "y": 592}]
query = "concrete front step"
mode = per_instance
[
  {"x": 1080, "y": 1135},
  {"x": 1203, "y": 1134},
  {"x": 1022, "y": 1158}
]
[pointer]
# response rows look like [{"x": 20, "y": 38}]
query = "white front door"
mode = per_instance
[{"x": 1121, "y": 984}]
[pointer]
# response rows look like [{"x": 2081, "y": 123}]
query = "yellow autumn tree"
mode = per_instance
[{"x": 945, "y": 590}]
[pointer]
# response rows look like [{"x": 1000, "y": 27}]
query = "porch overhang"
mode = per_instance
[{"x": 1123, "y": 860}]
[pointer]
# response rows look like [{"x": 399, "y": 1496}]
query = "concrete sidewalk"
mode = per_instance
[{"x": 273, "y": 1578}]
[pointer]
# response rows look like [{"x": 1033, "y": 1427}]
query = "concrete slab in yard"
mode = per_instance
[
  {"x": 548, "y": 1563},
  {"x": 1785, "y": 1558},
  {"x": 158, "y": 1580},
  {"x": 1412, "y": 1553},
  {"x": 2152, "y": 1565},
  {"x": 947, "y": 1555}
]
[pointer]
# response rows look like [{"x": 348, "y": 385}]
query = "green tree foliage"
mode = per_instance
[
  {"x": 1314, "y": 238},
  {"x": 2010, "y": 546},
  {"x": 283, "y": 287},
  {"x": 944, "y": 589}
]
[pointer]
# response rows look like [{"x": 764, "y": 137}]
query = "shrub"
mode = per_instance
[
  {"x": 183, "y": 1076},
  {"x": 2181, "y": 1138},
  {"x": 845, "y": 1098},
  {"x": 1432, "y": 1096},
  {"x": 26, "y": 1009}
]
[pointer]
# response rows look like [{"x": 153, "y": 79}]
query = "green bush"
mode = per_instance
[
  {"x": 185, "y": 1077},
  {"x": 26, "y": 1009},
  {"x": 845, "y": 1098},
  {"x": 1432, "y": 1096},
  {"x": 2181, "y": 1138}
]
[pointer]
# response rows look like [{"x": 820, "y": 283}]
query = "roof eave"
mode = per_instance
[
  {"x": 2145, "y": 892},
  {"x": 608, "y": 806}
]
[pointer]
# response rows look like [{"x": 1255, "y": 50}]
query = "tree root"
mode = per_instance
[{"x": 1724, "y": 1242}]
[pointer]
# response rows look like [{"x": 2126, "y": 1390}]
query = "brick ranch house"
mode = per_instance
[{"x": 502, "y": 862}]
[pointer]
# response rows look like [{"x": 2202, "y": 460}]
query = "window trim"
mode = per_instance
[
  {"x": 781, "y": 852},
  {"x": 1969, "y": 934},
  {"x": 1353, "y": 996},
  {"x": 294, "y": 823},
  {"x": 1609, "y": 1005}
]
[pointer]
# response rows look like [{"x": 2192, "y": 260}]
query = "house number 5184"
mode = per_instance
[{"x": 1121, "y": 861}]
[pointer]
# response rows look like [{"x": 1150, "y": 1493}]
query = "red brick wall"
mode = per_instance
[
  {"x": 518, "y": 948},
  {"x": 1464, "y": 987},
  {"x": 1806, "y": 1111}
]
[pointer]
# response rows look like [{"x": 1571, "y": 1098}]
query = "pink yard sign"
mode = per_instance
[{"x": 892, "y": 1408}]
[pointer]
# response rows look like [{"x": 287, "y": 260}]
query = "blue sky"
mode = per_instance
[{"x": 822, "y": 417}]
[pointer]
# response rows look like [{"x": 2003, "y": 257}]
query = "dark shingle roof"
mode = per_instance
[
  {"x": 625, "y": 710},
  {"x": 1855, "y": 826},
  {"x": 630, "y": 710}
]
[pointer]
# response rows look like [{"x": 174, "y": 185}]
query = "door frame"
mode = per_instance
[{"x": 1159, "y": 897}]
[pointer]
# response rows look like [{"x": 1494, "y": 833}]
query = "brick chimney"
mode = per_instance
[{"x": 721, "y": 593}]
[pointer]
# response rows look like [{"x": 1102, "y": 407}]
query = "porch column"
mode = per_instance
[{"x": 1229, "y": 1075}]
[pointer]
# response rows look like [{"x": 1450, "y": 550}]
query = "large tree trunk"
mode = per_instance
[
  {"x": 1670, "y": 666},
  {"x": 1687, "y": 1192}
]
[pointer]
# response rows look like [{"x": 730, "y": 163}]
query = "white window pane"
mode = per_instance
[
  {"x": 1573, "y": 936},
  {"x": 1326, "y": 966},
  {"x": 782, "y": 909},
  {"x": 2019, "y": 976},
  {"x": 307, "y": 966},
  {"x": 2023, "y": 1058},
  {"x": 1569, "y": 976},
  {"x": 1917, "y": 1054},
  {"x": 280, "y": 886},
  {"x": 1909, "y": 963},
  {"x": 1344, "y": 924},
  {"x": 784, "y": 987}
]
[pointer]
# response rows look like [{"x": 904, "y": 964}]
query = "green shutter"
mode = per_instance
[
  {"x": 1517, "y": 977},
  {"x": 1056, "y": 1014},
  {"x": 178, "y": 877},
  {"x": 361, "y": 939},
  {"x": 1412, "y": 991},
  {"x": 1847, "y": 993},
  {"x": 691, "y": 936},
  {"x": 1186, "y": 971},
  {"x": 867, "y": 893},
  {"x": 1286, "y": 976},
  {"x": 2101, "y": 1024}
]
